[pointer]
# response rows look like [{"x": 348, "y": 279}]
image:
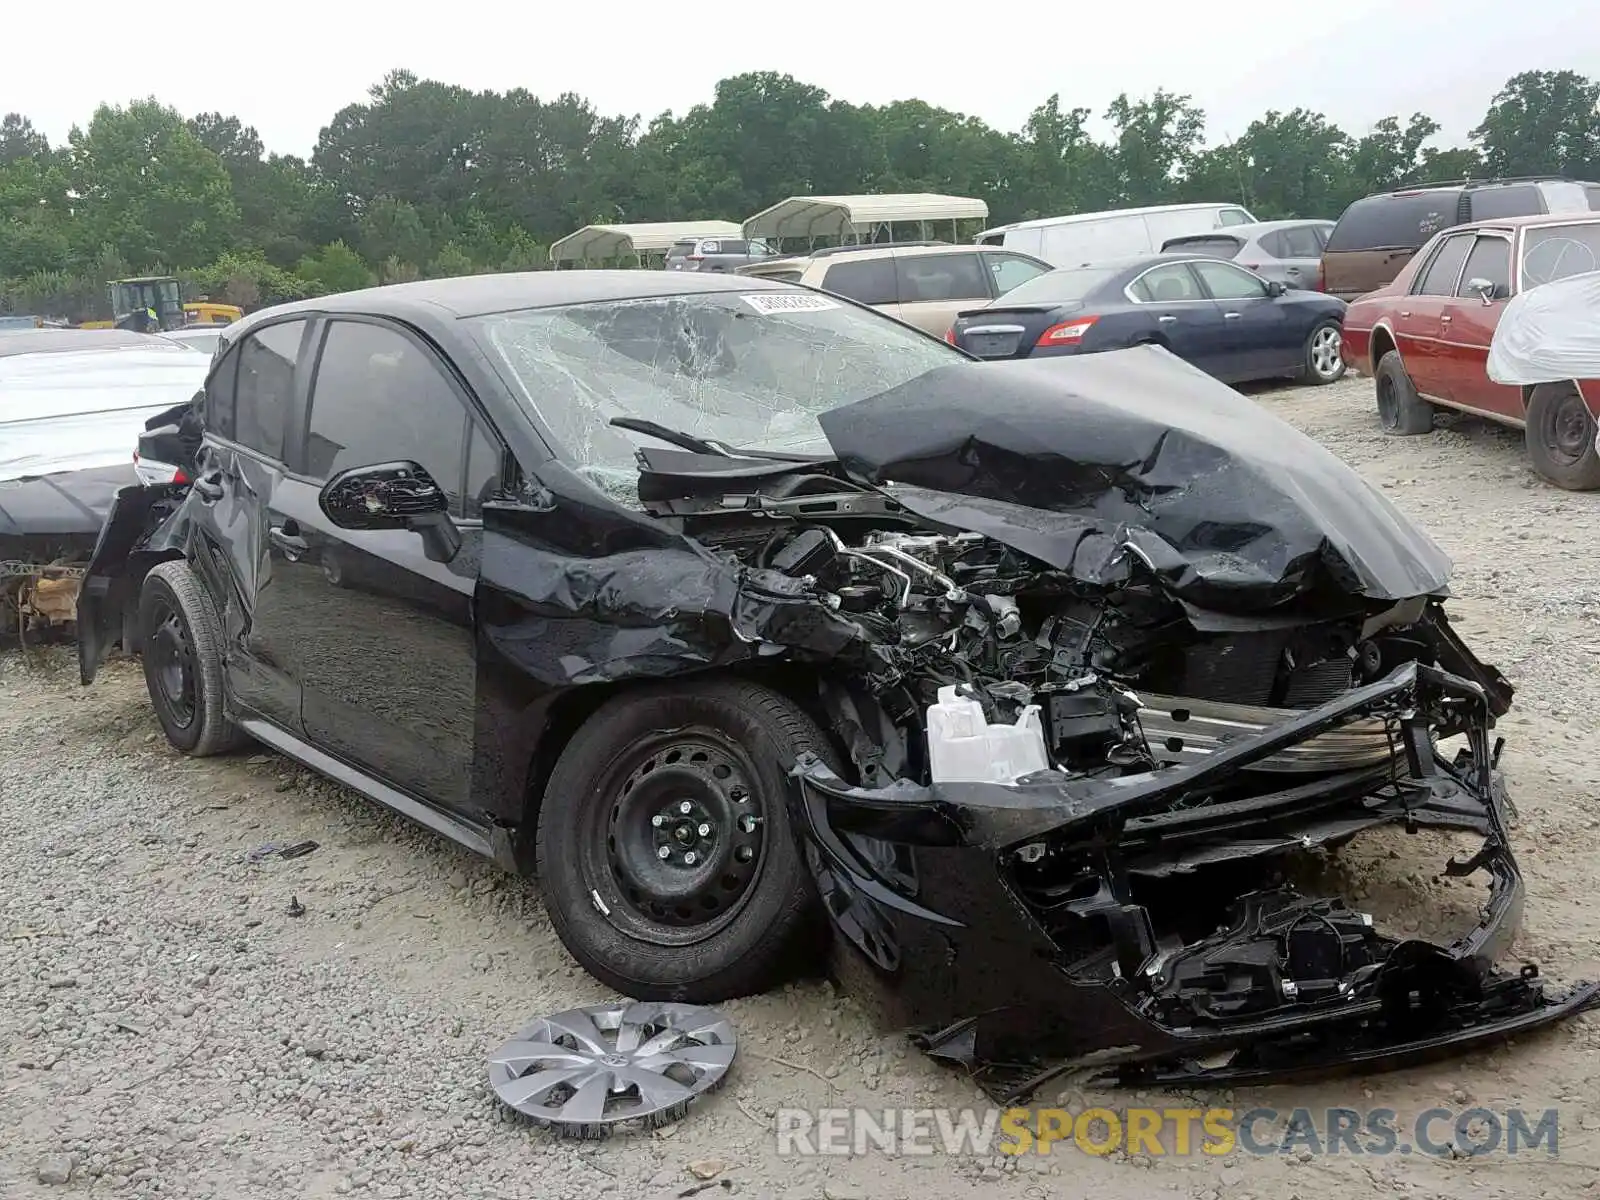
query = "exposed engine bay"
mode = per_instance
[{"x": 1128, "y": 897}]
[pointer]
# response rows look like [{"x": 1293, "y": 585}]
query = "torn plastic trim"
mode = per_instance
[
  {"x": 993, "y": 1009},
  {"x": 110, "y": 585}
]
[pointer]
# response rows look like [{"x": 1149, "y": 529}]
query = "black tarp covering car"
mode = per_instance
[{"x": 1234, "y": 647}]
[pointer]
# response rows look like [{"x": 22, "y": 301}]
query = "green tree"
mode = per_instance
[
  {"x": 334, "y": 268},
  {"x": 1155, "y": 140},
  {"x": 148, "y": 187},
  {"x": 1543, "y": 121}
]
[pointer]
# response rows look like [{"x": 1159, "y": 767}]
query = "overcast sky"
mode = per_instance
[{"x": 287, "y": 66}]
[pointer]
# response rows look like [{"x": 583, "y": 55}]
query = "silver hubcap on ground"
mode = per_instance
[
  {"x": 1325, "y": 358},
  {"x": 586, "y": 1070}
]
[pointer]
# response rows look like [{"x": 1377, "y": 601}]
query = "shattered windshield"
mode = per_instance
[{"x": 749, "y": 369}]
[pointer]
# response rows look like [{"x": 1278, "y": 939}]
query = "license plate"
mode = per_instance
[{"x": 992, "y": 345}]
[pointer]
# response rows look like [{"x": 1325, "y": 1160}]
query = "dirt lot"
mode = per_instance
[{"x": 166, "y": 1027}]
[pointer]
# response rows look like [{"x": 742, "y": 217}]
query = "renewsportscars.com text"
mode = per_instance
[{"x": 1161, "y": 1132}]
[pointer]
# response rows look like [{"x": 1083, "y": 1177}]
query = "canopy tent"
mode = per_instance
[
  {"x": 617, "y": 241},
  {"x": 848, "y": 217}
]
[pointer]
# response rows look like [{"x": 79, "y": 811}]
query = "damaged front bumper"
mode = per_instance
[{"x": 1141, "y": 922}]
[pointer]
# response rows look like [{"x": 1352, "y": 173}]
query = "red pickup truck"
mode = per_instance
[{"x": 1425, "y": 337}]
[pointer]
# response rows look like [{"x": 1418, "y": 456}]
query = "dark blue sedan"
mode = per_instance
[{"x": 1225, "y": 320}]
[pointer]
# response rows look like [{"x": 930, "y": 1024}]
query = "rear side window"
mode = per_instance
[
  {"x": 680, "y": 250},
  {"x": 265, "y": 390},
  {"x": 1403, "y": 222},
  {"x": 1299, "y": 241},
  {"x": 1488, "y": 203},
  {"x": 1438, "y": 277},
  {"x": 1234, "y": 216},
  {"x": 379, "y": 397},
  {"x": 218, "y": 413},
  {"x": 870, "y": 281},
  {"x": 928, "y": 277},
  {"x": 1166, "y": 285}
]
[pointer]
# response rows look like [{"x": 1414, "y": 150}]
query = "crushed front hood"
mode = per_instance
[{"x": 1094, "y": 463}]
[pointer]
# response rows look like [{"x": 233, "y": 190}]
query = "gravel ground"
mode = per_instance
[{"x": 166, "y": 1027}]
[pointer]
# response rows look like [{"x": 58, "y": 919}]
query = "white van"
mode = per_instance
[{"x": 1086, "y": 238}]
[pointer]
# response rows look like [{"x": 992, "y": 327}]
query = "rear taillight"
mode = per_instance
[
  {"x": 1251, "y": 266},
  {"x": 1067, "y": 333},
  {"x": 180, "y": 476},
  {"x": 950, "y": 335},
  {"x": 1322, "y": 278},
  {"x": 697, "y": 258}
]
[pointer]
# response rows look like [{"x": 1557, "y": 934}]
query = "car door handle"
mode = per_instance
[
  {"x": 1230, "y": 316},
  {"x": 291, "y": 543},
  {"x": 1446, "y": 317},
  {"x": 1167, "y": 320},
  {"x": 208, "y": 487}
]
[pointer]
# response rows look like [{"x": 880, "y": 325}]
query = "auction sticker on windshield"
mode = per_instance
[{"x": 781, "y": 303}]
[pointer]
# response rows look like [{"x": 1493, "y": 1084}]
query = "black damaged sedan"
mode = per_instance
[{"x": 705, "y": 600}]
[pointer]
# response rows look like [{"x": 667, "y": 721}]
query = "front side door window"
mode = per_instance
[
  {"x": 390, "y": 678},
  {"x": 380, "y": 397}
]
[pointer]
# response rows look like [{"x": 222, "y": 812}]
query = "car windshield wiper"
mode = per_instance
[{"x": 675, "y": 437}]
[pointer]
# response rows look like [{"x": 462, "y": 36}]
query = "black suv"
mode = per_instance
[{"x": 1378, "y": 234}]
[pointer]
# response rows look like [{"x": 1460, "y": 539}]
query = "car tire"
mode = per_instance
[
  {"x": 1324, "y": 361},
  {"x": 180, "y": 642},
  {"x": 1400, "y": 409},
  {"x": 1560, "y": 433},
  {"x": 699, "y": 931}
]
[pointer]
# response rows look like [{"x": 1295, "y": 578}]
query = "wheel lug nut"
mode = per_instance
[
  {"x": 704, "y": 830},
  {"x": 664, "y": 852},
  {"x": 747, "y": 823},
  {"x": 689, "y": 857},
  {"x": 744, "y": 854},
  {"x": 686, "y": 808},
  {"x": 658, "y": 820}
]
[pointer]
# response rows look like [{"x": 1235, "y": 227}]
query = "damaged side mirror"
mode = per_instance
[{"x": 397, "y": 495}]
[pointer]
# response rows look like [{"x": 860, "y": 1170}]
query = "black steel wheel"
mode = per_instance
[
  {"x": 1400, "y": 409},
  {"x": 682, "y": 834},
  {"x": 664, "y": 847},
  {"x": 1560, "y": 436},
  {"x": 181, "y": 645}
]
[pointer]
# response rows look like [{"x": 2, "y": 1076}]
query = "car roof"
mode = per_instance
[
  {"x": 1133, "y": 261},
  {"x": 1260, "y": 227},
  {"x": 1569, "y": 218},
  {"x": 1106, "y": 213},
  {"x": 479, "y": 295}
]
